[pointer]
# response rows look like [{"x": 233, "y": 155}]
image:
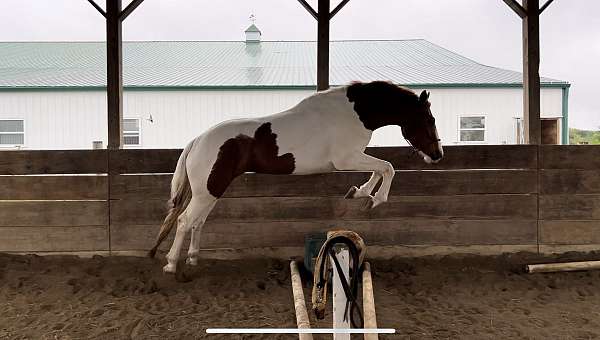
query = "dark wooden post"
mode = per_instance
[
  {"x": 323, "y": 17},
  {"x": 531, "y": 76},
  {"x": 323, "y": 45},
  {"x": 114, "y": 65},
  {"x": 530, "y": 13},
  {"x": 114, "y": 85}
]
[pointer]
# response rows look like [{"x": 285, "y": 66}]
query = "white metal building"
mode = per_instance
[{"x": 52, "y": 93}]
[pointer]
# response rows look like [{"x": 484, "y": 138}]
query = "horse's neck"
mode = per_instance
[{"x": 334, "y": 96}]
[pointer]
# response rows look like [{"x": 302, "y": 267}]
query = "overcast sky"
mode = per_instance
[{"x": 484, "y": 30}]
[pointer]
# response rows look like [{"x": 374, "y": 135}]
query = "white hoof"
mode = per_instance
[
  {"x": 169, "y": 268},
  {"x": 355, "y": 192},
  {"x": 192, "y": 261},
  {"x": 377, "y": 202},
  {"x": 371, "y": 202}
]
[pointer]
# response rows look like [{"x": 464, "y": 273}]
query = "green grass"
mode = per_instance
[{"x": 584, "y": 136}]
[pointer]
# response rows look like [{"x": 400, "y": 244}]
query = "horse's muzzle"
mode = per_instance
[{"x": 436, "y": 156}]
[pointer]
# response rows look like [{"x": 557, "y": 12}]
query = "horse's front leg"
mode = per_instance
[
  {"x": 366, "y": 189},
  {"x": 380, "y": 168}
]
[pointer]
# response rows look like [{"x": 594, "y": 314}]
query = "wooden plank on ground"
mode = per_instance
[
  {"x": 53, "y": 162},
  {"x": 336, "y": 184},
  {"x": 570, "y": 207},
  {"x": 54, "y": 187},
  {"x": 319, "y": 208},
  {"x": 35, "y": 239},
  {"x": 570, "y": 232},
  {"x": 569, "y": 181},
  {"x": 53, "y": 213},
  {"x": 570, "y": 157},
  {"x": 375, "y": 232}
]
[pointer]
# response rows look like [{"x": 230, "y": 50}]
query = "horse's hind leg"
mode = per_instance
[
  {"x": 208, "y": 204},
  {"x": 186, "y": 221}
]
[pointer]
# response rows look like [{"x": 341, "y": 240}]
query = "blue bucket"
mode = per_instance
[{"x": 312, "y": 245}]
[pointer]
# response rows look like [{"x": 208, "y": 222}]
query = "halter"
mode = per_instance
[{"x": 415, "y": 149}]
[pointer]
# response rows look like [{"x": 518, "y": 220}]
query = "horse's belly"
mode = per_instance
[{"x": 306, "y": 168}]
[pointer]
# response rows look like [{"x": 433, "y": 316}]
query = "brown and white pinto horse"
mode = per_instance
[{"x": 325, "y": 132}]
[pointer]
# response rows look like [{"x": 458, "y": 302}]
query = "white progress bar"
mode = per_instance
[{"x": 300, "y": 330}]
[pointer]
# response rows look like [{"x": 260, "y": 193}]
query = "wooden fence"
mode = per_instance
[{"x": 486, "y": 199}]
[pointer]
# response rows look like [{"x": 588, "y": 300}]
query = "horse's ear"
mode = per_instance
[
  {"x": 353, "y": 91},
  {"x": 424, "y": 96}
]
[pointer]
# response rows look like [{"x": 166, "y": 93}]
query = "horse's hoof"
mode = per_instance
[
  {"x": 192, "y": 261},
  {"x": 169, "y": 269},
  {"x": 369, "y": 202},
  {"x": 376, "y": 202},
  {"x": 351, "y": 192},
  {"x": 372, "y": 202}
]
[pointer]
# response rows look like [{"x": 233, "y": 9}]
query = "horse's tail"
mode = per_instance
[{"x": 181, "y": 194}]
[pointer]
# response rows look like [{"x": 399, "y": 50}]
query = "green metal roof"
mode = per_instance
[{"x": 217, "y": 64}]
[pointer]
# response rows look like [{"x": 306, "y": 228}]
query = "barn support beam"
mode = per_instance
[
  {"x": 531, "y": 72},
  {"x": 323, "y": 45},
  {"x": 97, "y": 7},
  {"x": 114, "y": 78},
  {"x": 114, "y": 66},
  {"x": 323, "y": 16},
  {"x": 530, "y": 13},
  {"x": 548, "y": 2}
]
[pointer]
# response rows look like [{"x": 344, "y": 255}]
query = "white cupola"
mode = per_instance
[{"x": 252, "y": 32}]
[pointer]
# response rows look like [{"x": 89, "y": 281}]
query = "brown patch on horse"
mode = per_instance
[
  {"x": 248, "y": 154},
  {"x": 380, "y": 103}
]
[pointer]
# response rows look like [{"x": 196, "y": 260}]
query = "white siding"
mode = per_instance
[
  {"x": 73, "y": 119},
  {"x": 57, "y": 119}
]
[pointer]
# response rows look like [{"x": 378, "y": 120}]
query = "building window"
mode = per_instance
[
  {"x": 131, "y": 132},
  {"x": 471, "y": 129},
  {"x": 12, "y": 132}
]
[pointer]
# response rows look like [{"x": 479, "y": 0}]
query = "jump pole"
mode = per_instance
[
  {"x": 368, "y": 302},
  {"x": 301, "y": 314},
  {"x": 562, "y": 267}
]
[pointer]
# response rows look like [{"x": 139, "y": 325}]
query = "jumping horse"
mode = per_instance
[{"x": 326, "y": 131}]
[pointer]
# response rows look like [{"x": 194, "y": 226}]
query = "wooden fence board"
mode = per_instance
[
  {"x": 570, "y": 207},
  {"x": 35, "y": 239},
  {"x": 568, "y": 181},
  {"x": 570, "y": 232},
  {"x": 319, "y": 208},
  {"x": 336, "y": 184},
  {"x": 464, "y": 157},
  {"x": 53, "y": 162},
  {"x": 570, "y": 157},
  {"x": 53, "y": 213},
  {"x": 53, "y": 187},
  {"x": 127, "y": 161},
  {"x": 285, "y": 234},
  {"x": 456, "y": 157}
]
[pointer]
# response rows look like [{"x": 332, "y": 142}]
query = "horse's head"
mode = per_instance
[
  {"x": 382, "y": 103},
  {"x": 420, "y": 131}
]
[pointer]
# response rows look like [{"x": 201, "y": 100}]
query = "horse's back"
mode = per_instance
[{"x": 302, "y": 140}]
